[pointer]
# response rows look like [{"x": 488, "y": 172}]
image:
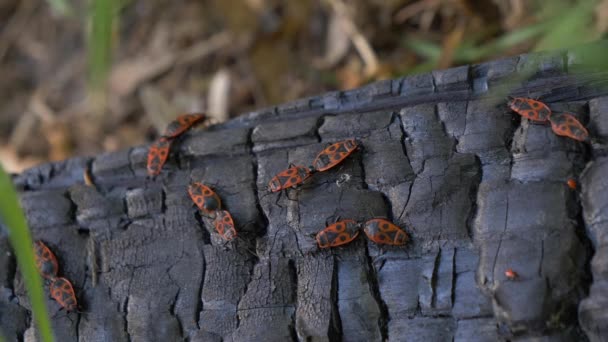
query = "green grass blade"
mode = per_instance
[
  {"x": 573, "y": 27},
  {"x": 13, "y": 218},
  {"x": 422, "y": 67},
  {"x": 102, "y": 15},
  {"x": 424, "y": 48},
  {"x": 468, "y": 54}
]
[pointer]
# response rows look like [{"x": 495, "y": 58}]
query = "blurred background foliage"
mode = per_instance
[{"x": 82, "y": 77}]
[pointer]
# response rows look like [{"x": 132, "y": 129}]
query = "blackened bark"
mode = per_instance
[{"x": 478, "y": 190}]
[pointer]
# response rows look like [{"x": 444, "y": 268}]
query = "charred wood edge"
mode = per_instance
[
  {"x": 457, "y": 84},
  {"x": 462, "y": 84}
]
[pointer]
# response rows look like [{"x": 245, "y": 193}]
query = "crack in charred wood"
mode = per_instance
[
  {"x": 173, "y": 304},
  {"x": 293, "y": 272},
  {"x": 125, "y": 308},
  {"x": 295, "y": 221},
  {"x": 397, "y": 118},
  {"x": 434, "y": 279},
  {"x": 506, "y": 221},
  {"x": 318, "y": 125},
  {"x": 364, "y": 184},
  {"x": 265, "y": 222},
  {"x": 473, "y": 195},
  {"x": 375, "y": 291},
  {"x": 336, "y": 322},
  {"x": 199, "y": 293},
  {"x": 174, "y": 314}
]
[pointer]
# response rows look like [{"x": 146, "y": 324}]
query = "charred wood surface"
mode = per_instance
[{"x": 478, "y": 190}]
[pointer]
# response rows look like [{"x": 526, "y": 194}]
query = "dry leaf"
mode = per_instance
[
  {"x": 157, "y": 107},
  {"x": 59, "y": 138},
  {"x": 130, "y": 74},
  {"x": 219, "y": 93},
  {"x": 336, "y": 46},
  {"x": 12, "y": 163},
  {"x": 601, "y": 15},
  {"x": 450, "y": 42},
  {"x": 350, "y": 76},
  {"x": 364, "y": 48}
]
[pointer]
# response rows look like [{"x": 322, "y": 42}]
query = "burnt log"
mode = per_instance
[{"x": 478, "y": 190}]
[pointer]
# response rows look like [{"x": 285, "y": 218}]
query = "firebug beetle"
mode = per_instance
[
  {"x": 224, "y": 225},
  {"x": 182, "y": 124},
  {"x": 530, "y": 109},
  {"x": 62, "y": 291},
  {"x": 337, "y": 234},
  {"x": 45, "y": 260},
  {"x": 568, "y": 126},
  {"x": 204, "y": 198},
  {"x": 333, "y": 154},
  {"x": 157, "y": 155},
  {"x": 290, "y": 177},
  {"x": 384, "y": 232}
]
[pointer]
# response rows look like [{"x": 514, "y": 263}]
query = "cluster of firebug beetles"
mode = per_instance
[
  {"x": 295, "y": 175},
  {"x": 210, "y": 204},
  {"x": 378, "y": 230},
  {"x": 159, "y": 151},
  {"x": 562, "y": 124},
  {"x": 205, "y": 199},
  {"x": 60, "y": 288}
]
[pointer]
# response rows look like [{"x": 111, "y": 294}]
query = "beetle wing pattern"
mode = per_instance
[
  {"x": 182, "y": 124},
  {"x": 204, "y": 198},
  {"x": 157, "y": 155},
  {"x": 384, "y": 232},
  {"x": 289, "y": 178},
  {"x": 337, "y": 234},
  {"x": 224, "y": 225},
  {"x": 62, "y": 291},
  {"x": 567, "y": 125},
  {"x": 45, "y": 260},
  {"x": 334, "y": 154},
  {"x": 530, "y": 109}
]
